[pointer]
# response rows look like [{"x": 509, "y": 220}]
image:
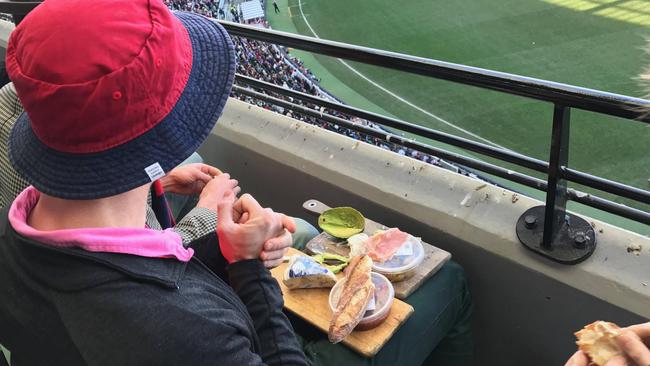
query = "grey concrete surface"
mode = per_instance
[{"x": 527, "y": 307}]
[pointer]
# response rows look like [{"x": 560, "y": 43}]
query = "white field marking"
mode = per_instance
[{"x": 399, "y": 97}]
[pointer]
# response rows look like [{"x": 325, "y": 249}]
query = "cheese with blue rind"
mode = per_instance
[{"x": 305, "y": 272}]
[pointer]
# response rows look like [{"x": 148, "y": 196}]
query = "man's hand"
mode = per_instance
[
  {"x": 578, "y": 359},
  {"x": 244, "y": 240},
  {"x": 275, "y": 248},
  {"x": 189, "y": 179},
  {"x": 215, "y": 191},
  {"x": 633, "y": 341}
]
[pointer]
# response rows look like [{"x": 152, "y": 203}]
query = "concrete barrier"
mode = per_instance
[{"x": 527, "y": 307}]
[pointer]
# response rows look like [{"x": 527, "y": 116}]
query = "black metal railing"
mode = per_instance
[
  {"x": 483, "y": 149},
  {"x": 548, "y": 230}
]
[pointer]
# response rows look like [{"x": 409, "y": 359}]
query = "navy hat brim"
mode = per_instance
[{"x": 177, "y": 136}]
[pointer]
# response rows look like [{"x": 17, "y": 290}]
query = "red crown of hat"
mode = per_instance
[{"x": 97, "y": 74}]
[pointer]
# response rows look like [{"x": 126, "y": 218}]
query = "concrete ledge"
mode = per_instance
[{"x": 470, "y": 210}]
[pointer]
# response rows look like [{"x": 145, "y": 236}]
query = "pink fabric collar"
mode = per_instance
[{"x": 141, "y": 242}]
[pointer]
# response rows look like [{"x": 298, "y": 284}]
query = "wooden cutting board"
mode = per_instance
[
  {"x": 312, "y": 306},
  {"x": 434, "y": 258}
]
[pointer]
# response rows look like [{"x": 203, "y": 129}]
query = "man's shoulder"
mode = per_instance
[
  {"x": 122, "y": 283},
  {"x": 110, "y": 313}
]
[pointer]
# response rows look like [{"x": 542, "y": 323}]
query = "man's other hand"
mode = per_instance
[
  {"x": 578, "y": 359},
  {"x": 275, "y": 248},
  {"x": 633, "y": 341},
  {"x": 241, "y": 241},
  {"x": 189, "y": 179},
  {"x": 215, "y": 191}
]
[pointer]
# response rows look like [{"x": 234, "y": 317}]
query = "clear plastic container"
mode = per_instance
[
  {"x": 384, "y": 295},
  {"x": 402, "y": 267}
]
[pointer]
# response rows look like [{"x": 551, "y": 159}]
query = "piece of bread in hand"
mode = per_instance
[
  {"x": 597, "y": 340},
  {"x": 357, "y": 291}
]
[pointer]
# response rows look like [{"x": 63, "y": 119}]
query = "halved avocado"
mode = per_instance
[{"x": 342, "y": 222}]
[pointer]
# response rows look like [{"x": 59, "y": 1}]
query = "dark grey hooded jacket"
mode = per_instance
[{"x": 63, "y": 306}]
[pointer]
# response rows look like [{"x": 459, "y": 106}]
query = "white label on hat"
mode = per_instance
[{"x": 154, "y": 171}]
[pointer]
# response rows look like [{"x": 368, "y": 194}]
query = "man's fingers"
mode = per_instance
[
  {"x": 199, "y": 185},
  {"x": 289, "y": 223},
  {"x": 209, "y": 169},
  {"x": 642, "y": 330},
  {"x": 279, "y": 243},
  {"x": 273, "y": 255},
  {"x": 243, "y": 207},
  {"x": 618, "y": 361},
  {"x": 202, "y": 177},
  {"x": 634, "y": 348},
  {"x": 236, "y": 190},
  {"x": 239, "y": 209},
  {"x": 224, "y": 176},
  {"x": 272, "y": 263},
  {"x": 225, "y": 207},
  {"x": 224, "y": 180},
  {"x": 578, "y": 359},
  {"x": 250, "y": 205}
]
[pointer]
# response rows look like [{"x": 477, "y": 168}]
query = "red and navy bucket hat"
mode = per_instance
[{"x": 116, "y": 93}]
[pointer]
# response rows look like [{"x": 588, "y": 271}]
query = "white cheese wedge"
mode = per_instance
[{"x": 305, "y": 272}]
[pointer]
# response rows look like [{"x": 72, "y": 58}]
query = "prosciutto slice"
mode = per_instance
[{"x": 383, "y": 246}]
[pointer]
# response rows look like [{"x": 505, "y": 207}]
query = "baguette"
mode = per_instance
[
  {"x": 597, "y": 340},
  {"x": 357, "y": 291}
]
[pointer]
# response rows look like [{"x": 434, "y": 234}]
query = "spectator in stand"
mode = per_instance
[
  {"x": 209, "y": 8},
  {"x": 108, "y": 290}
]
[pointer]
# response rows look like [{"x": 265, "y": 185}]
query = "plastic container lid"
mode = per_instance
[
  {"x": 384, "y": 295},
  {"x": 402, "y": 263}
]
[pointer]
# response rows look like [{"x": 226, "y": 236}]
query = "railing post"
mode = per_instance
[
  {"x": 550, "y": 230},
  {"x": 554, "y": 215}
]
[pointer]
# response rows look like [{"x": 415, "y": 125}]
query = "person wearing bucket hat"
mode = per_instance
[
  {"x": 181, "y": 185},
  {"x": 110, "y": 106}
]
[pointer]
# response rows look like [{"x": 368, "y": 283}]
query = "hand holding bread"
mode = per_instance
[{"x": 605, "y": 344}]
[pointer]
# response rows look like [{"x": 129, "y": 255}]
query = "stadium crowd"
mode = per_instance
[
  {"x": 273, "y": 64},
  {"x": 209, "y": 8}
]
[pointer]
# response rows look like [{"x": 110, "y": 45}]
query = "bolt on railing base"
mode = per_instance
[{"x": 575, "y": 241}]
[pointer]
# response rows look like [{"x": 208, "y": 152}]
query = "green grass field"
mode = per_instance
[{"x": 591, "y": 43}]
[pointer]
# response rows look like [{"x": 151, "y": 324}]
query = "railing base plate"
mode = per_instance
[{"x": 575, "y": 242}]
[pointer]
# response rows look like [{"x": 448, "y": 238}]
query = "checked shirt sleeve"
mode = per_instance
[
  {"x": 11, "y": 183},
  {"x": 197, "y": 224}
]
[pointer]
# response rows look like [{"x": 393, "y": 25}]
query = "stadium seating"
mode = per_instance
[{"x": 273, "y": 64}]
